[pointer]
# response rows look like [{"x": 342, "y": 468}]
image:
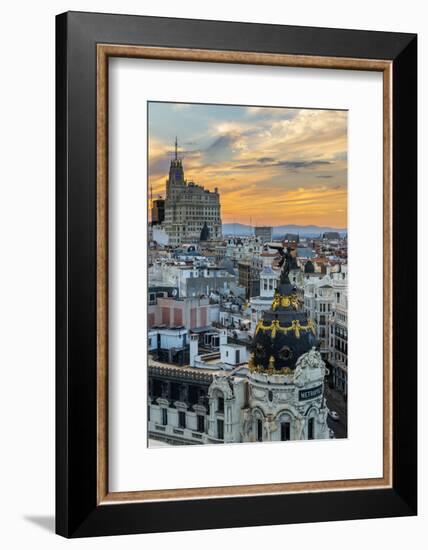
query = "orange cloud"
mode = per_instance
[{"x": 276, "y": 171}]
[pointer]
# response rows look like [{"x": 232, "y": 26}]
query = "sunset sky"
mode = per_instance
[{"x": 275, "y": 166}]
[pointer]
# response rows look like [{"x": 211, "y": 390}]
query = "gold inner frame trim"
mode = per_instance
[{"x": 104, "y": 52}]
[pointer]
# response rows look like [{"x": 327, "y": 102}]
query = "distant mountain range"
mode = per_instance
[{"x": 240, "y": 229}]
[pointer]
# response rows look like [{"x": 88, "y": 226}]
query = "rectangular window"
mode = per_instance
[
  {"x": 220, "y": 429},
  {"x": 259, "y": 430},
  {"x": 201, "y": 423},
  {"x": 285, "y": 431},
  {"x": 220, "y": 407},
  {"x": 311, "y": 434},
  {"x": 148, "y": 413},
  {"x": 164, "y": 417},
  {"x": 181, "y": 419}
]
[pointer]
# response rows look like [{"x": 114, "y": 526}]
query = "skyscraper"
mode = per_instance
[{"x": 188, "y": 207}]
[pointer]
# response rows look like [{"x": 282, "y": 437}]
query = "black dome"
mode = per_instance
[{"x": 283, "y": 334}]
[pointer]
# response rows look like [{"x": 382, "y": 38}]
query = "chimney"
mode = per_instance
[
  {"x": 194, "y": 344},
  {"x": 223, "y": 337}
]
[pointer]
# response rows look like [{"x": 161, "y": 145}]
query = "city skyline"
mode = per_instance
[{"x": 281, "y": 165}]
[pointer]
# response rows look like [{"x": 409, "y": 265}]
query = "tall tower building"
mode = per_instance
[
  {"x": 189, "y": 207},
  {"x": 175, "y": 184}
]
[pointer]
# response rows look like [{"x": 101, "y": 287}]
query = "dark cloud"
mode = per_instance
[
  {"x": 247, "y": 166},
  {"x": 221, "y": 148},
  {"x": 297, "y": 164},
  {"x": 222, "y": 142},
  {"x": 324, "y": 176},
  {"x": 265, "y": 159},
  {"x": 289, "y": 164}
]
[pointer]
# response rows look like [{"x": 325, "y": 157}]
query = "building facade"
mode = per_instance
[
  {"x": 263, "y": 233},
  {"x": 192, "y": 280},
  {"x": 158, "y": 211},
  {"x": 249, "y": 279},
  {"x": 270, "y": 390},
  {"x": 220, "y": 400},
  {"x": 259, "y": 304},
  {"x": 318, "y": 303},
  {"x": 338, "y": 356},
  {"x": 189, "y": 207}
]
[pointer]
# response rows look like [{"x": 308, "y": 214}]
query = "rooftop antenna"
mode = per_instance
[{"x": 176, "y": 147}]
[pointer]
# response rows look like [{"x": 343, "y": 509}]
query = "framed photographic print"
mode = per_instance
[{"x": 236, "y": 252}]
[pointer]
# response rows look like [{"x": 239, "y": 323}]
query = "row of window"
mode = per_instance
[
  {"x": 285, "y": 430},
  {"x": 206, "y": 209},
  {"x": 341, "y": 357},
  {"x": 197, "y": 221},
  {"x": 200, "y": 419},
  {"x": 269, "y": 284},
  {"x": 207, "y": 273},
  {"x": 342, "y": 332},
  {"x": 285, "y": 427}
]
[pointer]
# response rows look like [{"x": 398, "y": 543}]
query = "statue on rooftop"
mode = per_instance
[{"x": 285, "y": 262}]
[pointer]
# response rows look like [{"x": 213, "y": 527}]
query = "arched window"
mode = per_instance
[
  {"x": 285, "y": 425},
  {"x": 258, "y": 424}
]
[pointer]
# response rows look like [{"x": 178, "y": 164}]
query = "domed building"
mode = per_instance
[
  {"x": 286, "y": 371},
  {"x": 276, "y": 394},
  {"x": 283, "y": 334}
]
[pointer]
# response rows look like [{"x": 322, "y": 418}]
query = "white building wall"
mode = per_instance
[{"x": 230, "y": 353}]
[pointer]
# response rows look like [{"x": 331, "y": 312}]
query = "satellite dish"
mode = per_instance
[{"x": 174, "y": 292}]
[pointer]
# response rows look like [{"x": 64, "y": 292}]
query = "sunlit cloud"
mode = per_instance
[{"x": 272, "y": 165}]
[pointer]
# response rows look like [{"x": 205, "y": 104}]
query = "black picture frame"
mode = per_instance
[{"x": 77, "y": 511}]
